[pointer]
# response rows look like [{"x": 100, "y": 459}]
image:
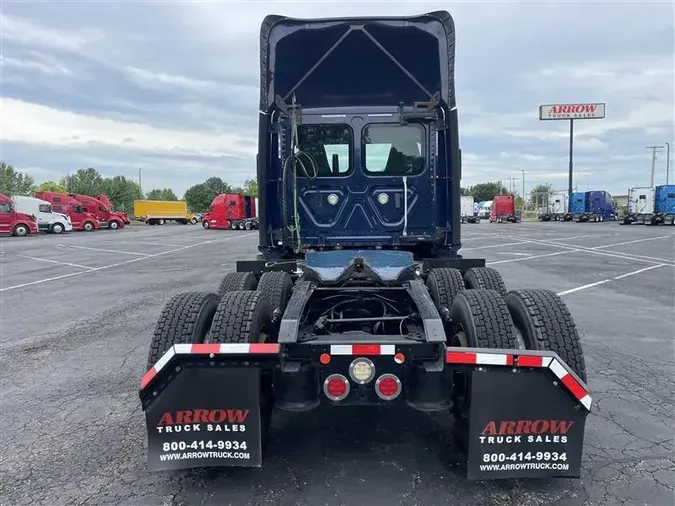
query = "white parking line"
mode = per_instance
[
  {"x": 529, "y": 258},
  {"x": 615, "y": 278},
  {"x": 626, "y": 256},
  {"x": 577, "y": 237},
  {"x": 152, "y": 243},
  {"x": 56, "y": 262},
  {"x": 671, "y": 236},
  {"x": 496, "y": 245},
  {"x": 106, "y": 250},
  {"x": 133, "y": 260}
]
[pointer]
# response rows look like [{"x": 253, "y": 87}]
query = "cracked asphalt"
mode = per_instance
[{"x": 75, "y": 325}]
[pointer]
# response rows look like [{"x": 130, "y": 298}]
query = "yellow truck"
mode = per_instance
[{"x": 158, "y": 212}]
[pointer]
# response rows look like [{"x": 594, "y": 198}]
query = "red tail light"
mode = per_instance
[
  {"x": 388, "y": 387},
  {"x": 336, "y": 387}
]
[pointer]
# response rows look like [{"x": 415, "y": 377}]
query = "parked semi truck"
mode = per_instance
[
  {"x": 599, "y": 206},
  {"x": 13, "y": 222},
  {"x": 362, "y": 298},
  {"x": 104, "y": 214},
  {"x": 504, "y": 210},
  {"x": 556, "y": 208},
  {"x": 485, "y": 209},
  {"x": 66, "y": 204},
  {"x": 468, "y": 211},
  {"x": 106, "y": 202},
  {"x": 651, "y": 206},
  {"x": 47, "y": 219},
  {"x": 232, "y": 211},
  {"x": 158, "y": 212}
]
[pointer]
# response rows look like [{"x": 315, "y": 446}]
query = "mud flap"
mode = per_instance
[
  {"x": 205, "y": 417},
  {"x": 523, "y": 425}
]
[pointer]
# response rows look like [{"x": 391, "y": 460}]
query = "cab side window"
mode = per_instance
[
  {"x": 45, "y": 208},
  {"x": 5, "y": 208}
]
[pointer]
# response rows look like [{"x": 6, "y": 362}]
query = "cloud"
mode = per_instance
[
  {"x": 38, "y": 124},
  {"x": 172, "y": 87}
]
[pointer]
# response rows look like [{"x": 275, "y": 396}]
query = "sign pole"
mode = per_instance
[
  {"x": 571, "y": 112},
  {"x": 571, "y": 174}
]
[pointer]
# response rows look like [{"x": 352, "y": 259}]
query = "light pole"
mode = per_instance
[
  {"x": 667, "y": 162},
  {"x": 523, "y": 172},
  {"x": 654, "y": 150},
  {"x": 140, "y": 181}
]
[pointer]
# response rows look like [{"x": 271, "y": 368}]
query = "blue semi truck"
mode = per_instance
[{"x": 591, "y": 206}]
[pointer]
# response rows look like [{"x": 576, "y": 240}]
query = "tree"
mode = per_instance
[
  {"x": 84, "y": 182},
  {"x": 13, "y": 182},
  {"x": 539, "y": 196},
  {"x": 217, "y": 185},
  {"x": 251, "y": 187},
  {"x": 163, "y": 194},
  {"x": 486, "y": 191},
  {"x": 51, "y": 186},
  {"x": 199, "y": 197},
  {"x": 122, "y": 192}
]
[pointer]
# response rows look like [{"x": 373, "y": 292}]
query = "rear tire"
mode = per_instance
[
  {"x": 485, "y": 278},
  {"x": 244, "y": 317},
  {"x": 545, "y": 323},
  {"x": 480, "y": 319},
  {"x": 235, "y": 281},
  {"x": 278, "y": 286},
  {"x": 186, "y": 318},
  {"x": 444, "y": 284}
]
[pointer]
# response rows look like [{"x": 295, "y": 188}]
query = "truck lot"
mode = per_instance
[{"x": 76, "y": 318}]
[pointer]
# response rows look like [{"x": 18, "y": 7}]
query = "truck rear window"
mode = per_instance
[
  {"x": 323, "y": 143},
  {"x": 393, "y": 150}
]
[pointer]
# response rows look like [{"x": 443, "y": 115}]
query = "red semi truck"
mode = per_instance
[
  {"x": 232, "y": 210},
  {"x": 106, "y": 202},
  {"x": 504, "y": 209},
  {"x": 67, "y": 204},
  {"x": 104, "y": 214},
  {"x": 13, "y": 223}
]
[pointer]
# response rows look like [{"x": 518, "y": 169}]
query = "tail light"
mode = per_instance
[
  {"x": 336, "y": 387},
  {"x": 388, "y": 387}
]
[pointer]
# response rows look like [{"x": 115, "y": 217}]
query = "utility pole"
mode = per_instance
[
  {"x": 667, "y": 162},
  {"x": 140, "y": 182},
  {"x": 512, "y": 185},
  {"x": 654, "y": 150},
  {"x": 523, "y": 172}
]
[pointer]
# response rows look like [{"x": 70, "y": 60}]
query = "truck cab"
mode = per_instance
[
  {"x": 64, "y": 203},
  {"x": 504, "y": 210},
  {"x": 106, "y": 202},
  {"x": 358, "y": 143},
  {"x": 104, "y": 213},
  {"x": 47, "y": 219},
  {"x": 13, "y": 222},
  {"x": 231, "y": 210}
]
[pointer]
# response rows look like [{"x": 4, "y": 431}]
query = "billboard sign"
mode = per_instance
[{"x": 572, "y": 111}]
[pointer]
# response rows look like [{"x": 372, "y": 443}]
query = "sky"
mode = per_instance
[{"x": 172, "y": 87}]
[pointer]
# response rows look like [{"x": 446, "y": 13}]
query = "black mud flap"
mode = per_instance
[
  {"x": 203, "y": 416},
  {"x": 523, "y": 425}
]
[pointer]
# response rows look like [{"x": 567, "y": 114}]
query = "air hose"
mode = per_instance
[{"x": 291, "y": 162}]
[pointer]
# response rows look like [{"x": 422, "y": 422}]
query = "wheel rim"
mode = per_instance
[
  {"x": 88, "y": 227},
  {"x": 21, "y": 230},
  {"x": 113, "y": 225},
  {"x": 58, "y": 228}
]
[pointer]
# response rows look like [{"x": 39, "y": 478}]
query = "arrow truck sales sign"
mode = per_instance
[{"x": 571, "y": 111}]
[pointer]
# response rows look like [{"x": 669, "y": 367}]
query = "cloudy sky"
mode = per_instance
[{"x": 172, "y": 87}]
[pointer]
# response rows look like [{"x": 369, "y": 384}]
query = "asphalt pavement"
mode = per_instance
[{"x": 77, "y": 312}]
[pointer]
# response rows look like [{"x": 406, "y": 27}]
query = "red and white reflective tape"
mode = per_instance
[
  {"x": 209, "y": 349},
  {"x": 362, "y": 349},
  {"x": 508, "y": 359},
  {"x": 572, "y": 384},
  {"x": 454, "y": 357}
]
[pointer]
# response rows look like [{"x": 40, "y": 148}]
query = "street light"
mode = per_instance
[
  {"x": 140, "y": 183},
  {"x": 667, "y": 162}
]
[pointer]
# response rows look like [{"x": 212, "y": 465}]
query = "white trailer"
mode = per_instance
[
  {"x": 48, "y": 220},
  {"x": 467, "y": 210},
  {"x": 641, "y": 201}
]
